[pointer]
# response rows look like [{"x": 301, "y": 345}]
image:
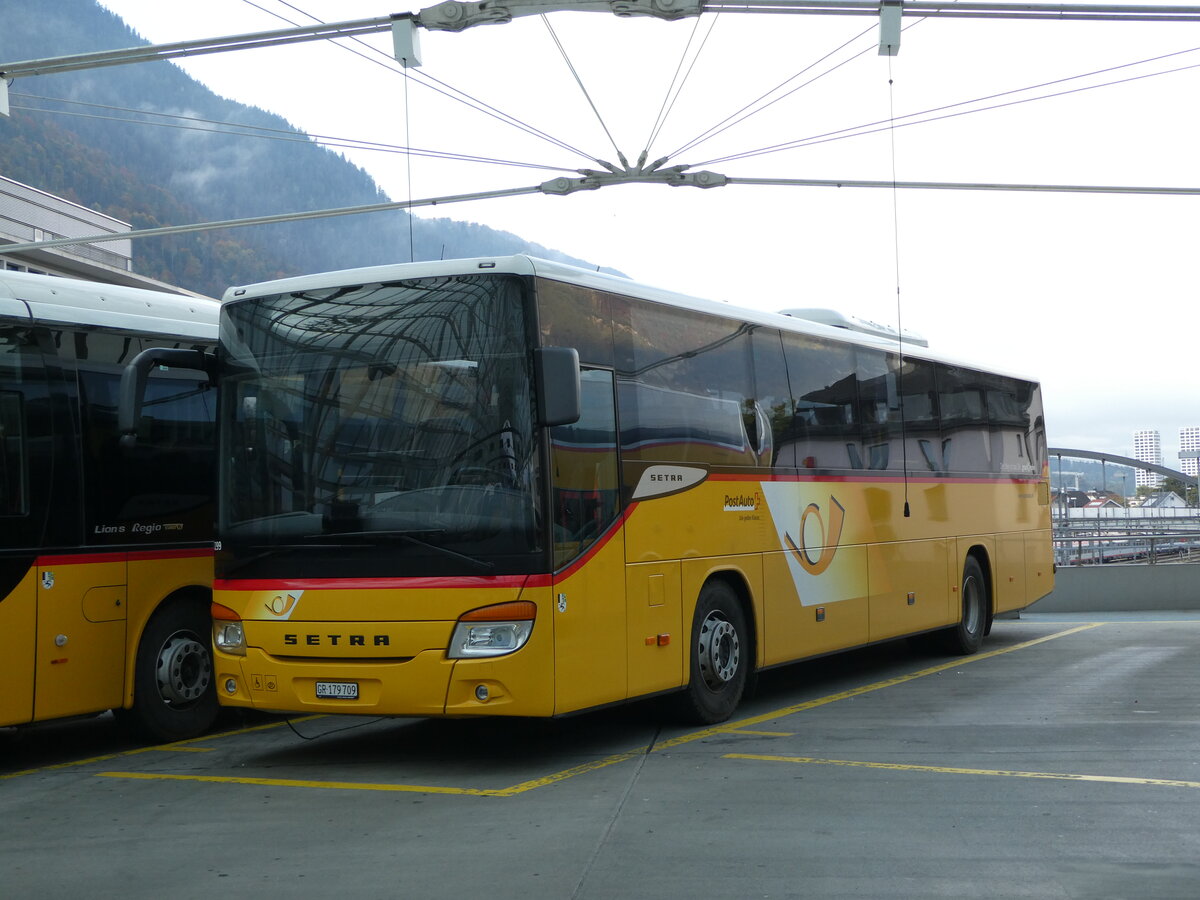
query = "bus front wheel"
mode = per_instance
[
  {"x": 720, "y": 656},
  {"x": 173, "y": 692}
]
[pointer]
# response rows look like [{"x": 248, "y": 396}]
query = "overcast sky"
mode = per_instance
[{"x": 1095, "y": 295}]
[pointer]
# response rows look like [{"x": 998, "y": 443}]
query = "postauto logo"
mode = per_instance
[{"x": 743, "y": 502}]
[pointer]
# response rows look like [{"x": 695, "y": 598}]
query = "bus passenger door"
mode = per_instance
[
  {"x": 26, "y": 469},
  {"x": 18, "y": 619},
  {"x": 589, "y": 553},
  {"x": 80, "y": 636}
]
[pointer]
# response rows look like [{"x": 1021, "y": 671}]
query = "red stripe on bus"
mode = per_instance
[
  {"x": 604, "y": 538},
  {"x": 881, "y": 478},
  {"x": 139, "y": 555},
  {"x": 81, "y": 559}
]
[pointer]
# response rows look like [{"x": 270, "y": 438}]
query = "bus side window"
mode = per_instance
[
  {"x": 167, "y": 480},
  {"x": 584, "y": 466},
  {"x": 27, "y": 427},
  {"x": 920, "y": 428},
  {"x": 773, "y": 395},
  {"x": 824, "y": 383},
  {"x": 14, "y": 490},
  {"x": 687, "y": 388},
  {"x": 1008, "y": 407},
  {"x": 966, "y": 444}
]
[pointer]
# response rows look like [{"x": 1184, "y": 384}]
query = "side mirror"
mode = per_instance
[
  {"x": 133, "y": 383},
  {"x": 556, "y": 374}
]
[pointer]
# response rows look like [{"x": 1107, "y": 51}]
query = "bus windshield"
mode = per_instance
[{"x": 379, "y": 429}]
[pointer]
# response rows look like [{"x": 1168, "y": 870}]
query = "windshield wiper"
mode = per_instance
[{"x": 408, "y": 536}]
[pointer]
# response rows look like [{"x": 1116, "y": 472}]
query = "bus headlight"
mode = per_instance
[
  {"x": 228, "y": 634},
  {"x": 492, "y": 630}
]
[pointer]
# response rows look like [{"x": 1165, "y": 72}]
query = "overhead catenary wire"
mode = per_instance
[
  {"x": 736, "y": 118},
  {"x": 677, "y": 83},
  {"x": 732, "y": 180},
  {"x": 387, "y": 61},
  {"x": 899, "y": 316},
  {"x": 412, "y": 255},
  {"x": 305, "y": 215},
  {"x": 883, "y": 124},
  {"x": 264, "y": 132},
  {"x": 579, "y": 81}
]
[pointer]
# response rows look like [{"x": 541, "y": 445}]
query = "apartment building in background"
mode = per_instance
[
  {"x": 1147, "y": 447},
  {"x": 1189, "y": 442}
]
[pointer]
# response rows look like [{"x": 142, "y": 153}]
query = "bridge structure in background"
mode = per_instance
[
  {"x": 1103, "y": 457},
  {"x": 1104, "y": 536}
]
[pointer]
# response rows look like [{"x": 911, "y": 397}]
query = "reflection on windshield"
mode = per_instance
[{"x": 392, "y": 417}]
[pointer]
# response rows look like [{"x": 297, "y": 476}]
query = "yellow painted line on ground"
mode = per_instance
[
  {"x": 865, "y": 689},
  {"x": 175, "y": 745},
  {"x": 293, "y": 782},
  {"x": 582, "y": 769},
  {"x": 742, "y": 726},
  {"x": 954, "y": 770}
]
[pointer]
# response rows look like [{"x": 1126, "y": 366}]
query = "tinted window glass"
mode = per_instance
[
  {"x": 824, "y": 384},
  {"x": 687, "y": 393},
  {"x": 879, "y": 403},
  {"x": 381, "y": 428},
  {"x": 579, "y": 317},
  {"x": 19, "y": 360},
  {"x": 772, "y": 393},
  {"x": 34, "y": 433},
  {"x": 922, "y": 449},
  {"x": 584, "y": 463},
  {"x": 161, "y": 489},
  {"x": 966, "y": 440},
  {"x": 1008, "y": 406}
]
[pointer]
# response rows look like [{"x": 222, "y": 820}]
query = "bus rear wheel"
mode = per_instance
[
  {"x": 966, "y": 637},
  {"x": 720, "y": 656},
  {"x": 174, "y": 696}
]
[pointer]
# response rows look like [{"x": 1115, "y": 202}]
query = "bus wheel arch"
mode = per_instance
[
  {"x": 722, "y": 650},
  {"x": 174, "y": 693}
]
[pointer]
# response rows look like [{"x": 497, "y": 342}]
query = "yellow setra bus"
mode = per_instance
[
  {"x": 512, "y": 487},
  {"x": 106, "y": 560}
]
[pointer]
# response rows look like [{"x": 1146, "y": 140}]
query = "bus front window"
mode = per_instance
[{"x": 384, "y": 429}]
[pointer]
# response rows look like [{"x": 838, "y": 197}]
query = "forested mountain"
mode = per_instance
[{"x": 153, "y": 176}]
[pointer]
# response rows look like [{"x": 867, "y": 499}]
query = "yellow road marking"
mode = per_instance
[
  {"x": 176, "y": 745},
  {"x": 865, "y": 689},
  {"x": 739, "y": 727},
  {"x": 954, "y": 770},
  {"x": 572, "y": 772},
  {"x": 293, "y": 782}
]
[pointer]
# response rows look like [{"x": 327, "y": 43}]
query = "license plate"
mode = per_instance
[{"x": 337, "y": 690}]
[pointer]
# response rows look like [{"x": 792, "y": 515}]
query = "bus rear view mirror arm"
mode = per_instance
[
  {"x": 133, "y": 383},
  {"x": 556, "y": 371}
]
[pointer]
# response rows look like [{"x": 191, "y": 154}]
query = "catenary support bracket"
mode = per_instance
[
  {"x": 456, "y": 15},
  {"x": 673, "y": 176}
]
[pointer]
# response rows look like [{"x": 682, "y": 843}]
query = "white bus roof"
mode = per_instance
[
  {"x": 835, "y": 326},
  {"x": 51, "y": 299}
]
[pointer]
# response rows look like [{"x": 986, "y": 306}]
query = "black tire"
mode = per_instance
[
  {"x": 174, "y": 696},
  {"x": 720, "y": 657},
  {"x": 966, "y": 637}
]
